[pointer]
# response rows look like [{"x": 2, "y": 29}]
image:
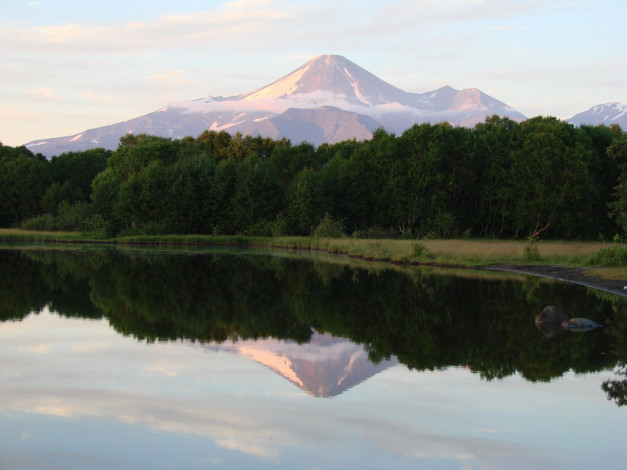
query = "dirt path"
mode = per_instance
[{"x": 576, "y": 275}]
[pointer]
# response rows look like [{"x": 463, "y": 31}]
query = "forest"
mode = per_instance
[{"x": 501, "y": 179}]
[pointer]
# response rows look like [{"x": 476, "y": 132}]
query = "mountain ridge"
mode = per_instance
[
  {"x": 326, "y": 100},
  {"x": 605, "y": 113}
]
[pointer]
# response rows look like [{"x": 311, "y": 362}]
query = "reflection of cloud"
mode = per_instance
[
  {"x": 54, "y": 407},
  {"x": 90, "y": 346},
  {"x": 265, "y": 429},
  {"x": 39, "y": 348},
  {"x": 164, "y": 368},
  {"x": 494, "y": 430},
  {"x": 231, "y": 427}
]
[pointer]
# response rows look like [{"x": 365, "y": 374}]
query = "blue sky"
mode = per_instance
[{"x": 67, "y": 66}]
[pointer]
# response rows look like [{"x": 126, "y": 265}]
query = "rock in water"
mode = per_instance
[
  {"x": 579, "y": 325},
  {"x": 551, "y": 315},
  {"x": 550, "y": 331}
]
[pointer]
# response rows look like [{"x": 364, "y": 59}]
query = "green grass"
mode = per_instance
[
  {"x": 19, "y": 235},
  {"x": 436, "y": 252}
]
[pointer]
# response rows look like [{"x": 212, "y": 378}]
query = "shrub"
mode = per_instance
[
  {"x": 614, "y": 255},
  {"x": 419, "y": 251},
  {"x": 328, "y": 228},
  {"x": 42, "y": 223},
  {"x": 531, "y": 250},
  {"x": 376, "y": 231},
  {"x": 263, "y": 228},
  {"x": 279, "y": 227},
  {"x": 72, "y": 217}
]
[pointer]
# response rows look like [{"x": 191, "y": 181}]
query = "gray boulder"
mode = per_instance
[{"x": 579, "y": 325}]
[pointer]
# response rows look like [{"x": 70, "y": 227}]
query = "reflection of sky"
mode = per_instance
[{"x": 76, "y": 394}]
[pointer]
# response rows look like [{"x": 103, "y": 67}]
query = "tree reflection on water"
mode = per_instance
[{"x": 426, "y": 320}]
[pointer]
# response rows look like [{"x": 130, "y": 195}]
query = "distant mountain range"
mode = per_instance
[
  {"x": 607, "y": 114},
  {"x": 328, "y": 99}
]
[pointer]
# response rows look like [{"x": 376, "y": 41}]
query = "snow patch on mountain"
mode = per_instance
[
  {"x": 283, "y": 87},
  {"x": 606, "y": 113},
  {"x": 36, "y": 144}
]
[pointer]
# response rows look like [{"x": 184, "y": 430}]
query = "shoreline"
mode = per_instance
[
  {"x": 574, "y": 275},
  {"x": 489, "y": 255}
]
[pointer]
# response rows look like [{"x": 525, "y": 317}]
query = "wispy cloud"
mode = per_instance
[
  {"x": 93, "y": 97},
  {"x": 43, "y": 92},
  {"x": 255, "y": 24},
  {"x": 37, "y": 348},
  {"x": 173, "y": 78},
  {"x": 167, "y": 77},
  {"x": 12, "y": 114},
  {"x": 243, "y": 19}
]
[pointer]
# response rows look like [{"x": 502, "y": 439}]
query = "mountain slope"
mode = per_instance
[
  {"x": 333, "y": 75},
  {"x": 328, "y": 99},
  {"x": 607, "y": 113}
]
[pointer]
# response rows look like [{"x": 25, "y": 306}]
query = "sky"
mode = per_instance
[{"x": 70, "y": 65}]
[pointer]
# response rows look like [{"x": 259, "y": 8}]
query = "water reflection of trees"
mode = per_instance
[
  {"x": 427, "y": 321},
  {"x": 616, "y": 389}
]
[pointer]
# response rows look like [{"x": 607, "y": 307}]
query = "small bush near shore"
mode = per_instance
[
  {"x": 614, "y": 255},
  {"x": 531, "y": 251},
  {"x": 329, "y": 228}
]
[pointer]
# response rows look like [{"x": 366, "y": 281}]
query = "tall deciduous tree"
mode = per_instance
[
  {"x": 494, "y": 198},
  {"x": 550, "y": 177}
]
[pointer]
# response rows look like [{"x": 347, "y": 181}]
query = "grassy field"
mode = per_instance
[{"x": 437, "y": 252}]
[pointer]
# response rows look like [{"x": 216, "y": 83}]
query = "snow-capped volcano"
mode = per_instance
[
  {"x": 332, "y": 80},
  {"x": 328, "y": 99},
  {"x": 607, "y": 113},
  {"x": 331, "y": 76}
]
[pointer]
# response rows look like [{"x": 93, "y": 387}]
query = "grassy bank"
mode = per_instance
[
  {"x": 32, "y": 236},
  {"x": 448, "y": 252}
]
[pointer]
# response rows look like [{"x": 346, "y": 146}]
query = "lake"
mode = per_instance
[{"x": 175, "y": 359}]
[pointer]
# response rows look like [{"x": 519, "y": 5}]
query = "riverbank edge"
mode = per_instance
[{"x": 505, "y": 256}]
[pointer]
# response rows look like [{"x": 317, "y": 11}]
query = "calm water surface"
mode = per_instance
[{"x": 135, "y": 359}]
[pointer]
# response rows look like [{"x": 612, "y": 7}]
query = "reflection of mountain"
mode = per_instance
[{"x": 324, "y": 367}]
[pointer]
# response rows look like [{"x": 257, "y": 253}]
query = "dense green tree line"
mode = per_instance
[
  {"x": 31, "y": 185},
  {"x": 541, "y": 177}
]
